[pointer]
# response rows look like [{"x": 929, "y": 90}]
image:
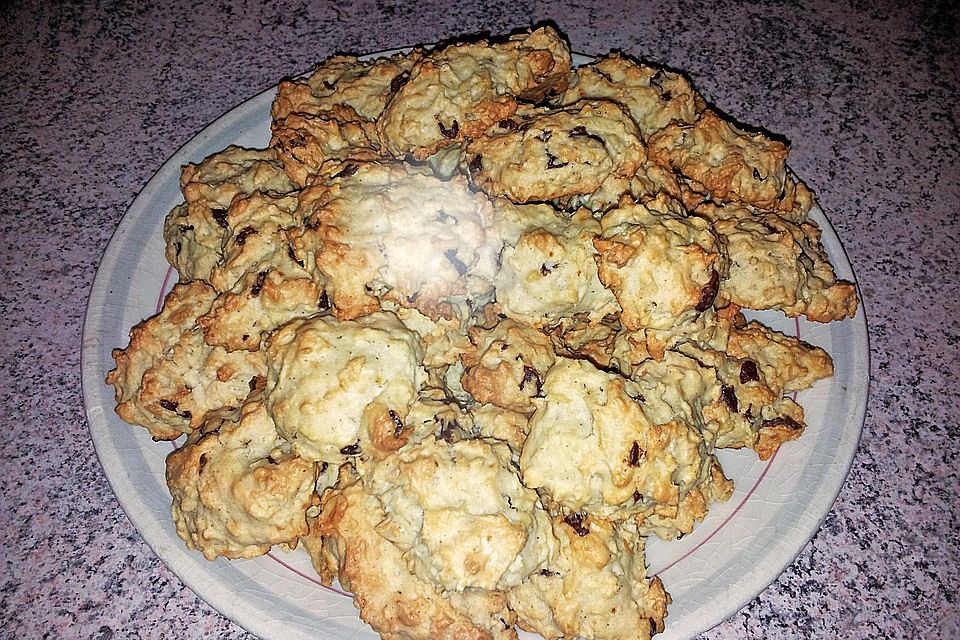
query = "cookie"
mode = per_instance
[
  {"x": 461, "y": 514},
  {"x": 362, "y": 85},
  {"x": 346, "y": 543},
  {"x": 654, "y": 97},
  {"x": 194, "y": 231},
  {"x": 592, "y": 448},
  {"x": 168, "y": 379},
  {"x": 457, "y": 92},
  {"x": 307, "y": 143},
  {"x": 557, "y": 154},
  {"x": 725, "y": 163},
  {"x": 237, "y": 488},
  {"x": 549, "y": 271},
  {"x": 596, "y": 589},
  {"x": 339, "y": 389},
  {"x": 663, "y": 266},
  {"x": 506, "y": 365},
  {"x": 398, "y": 233},
  {"x": 776, "y": 264}
]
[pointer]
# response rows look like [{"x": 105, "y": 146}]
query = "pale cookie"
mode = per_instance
[
  {"x": 168, "y": 379},
  {"x": 558, "y": 154},
  {"x": 592, "y": 448},
  {"x": 663, "y": 267},
  {"x": 457, "y": 92},
  {"x": 507, "y": 364},
  {"x": 549, "y": 271},
  {"x": 398, "y": 233},
  {"x": 653, "y": 96},
  {"x": 194, "y": 231},
  {"x": 237, "y": 489},
  {"x": 461, "y": 514},
  {"x": 341, "y": 389},
  {"x": 708, "y": 389},
  {"x": 670, "y": 524},
  {"x": 610, "y": 346},
  {"x": 597, "y": 588},
  {"x": 346, "y": 543}
]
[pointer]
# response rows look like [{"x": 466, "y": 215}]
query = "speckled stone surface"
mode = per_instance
[{"x": 95, "y": 97}]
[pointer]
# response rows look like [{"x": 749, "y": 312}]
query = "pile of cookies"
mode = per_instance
[{"x": 469, "y": 329}]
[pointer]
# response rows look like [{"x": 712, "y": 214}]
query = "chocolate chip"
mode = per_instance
[
  {"x": 257, "y": 382},
  {"x": 581, "y": 132},
  {"x": 781, "y": 421},
  {"x": 603, "y": 74},
  {"x": 201, "y": 462},
  {"x": 324, "y": 303},
  {"x": 293, "y": 255},
  {"x": 529, "y": 373},
  {"x": 350, "y": 450},
  {"x": 633, "y": 459},
  {"x": 451, "y": 255},
  {"x": 220, "y": 217},
  {"x": 545, "y": 270},
  {"x": 729, "y": 398},
  {"x": 749, "y": 372},
  {"x": 709, "y": 292},
  {"x": 476, "y": 164},
  {"x": 637, "y": 497},
  {"x": 552, "y": 162},
  {"x": 397, "y": 422},
  {"x": 446, "y": 430},
  {"x": 575, "y": 520},
  {"x": 451, "y": 132},
  {"x": 245, "y": 233},
  {"x": 398, "y": 81},
  {"x": 169, "y": 405},
  {"x": 507, "y": 123},
  {"x": 258, "y": 285},
  {"x": 348, "y": 170},
  {"x": 186, "y": 227}
]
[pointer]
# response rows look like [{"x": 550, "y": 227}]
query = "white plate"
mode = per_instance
[{"x": 740, "y": 548}]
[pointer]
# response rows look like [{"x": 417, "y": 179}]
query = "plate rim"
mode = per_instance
[{"x": 753, "y": 585}]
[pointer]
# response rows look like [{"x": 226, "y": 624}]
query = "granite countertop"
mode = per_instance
[{"x": 96, "y": 96}]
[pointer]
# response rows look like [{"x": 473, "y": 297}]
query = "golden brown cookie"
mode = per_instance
[
  {"x": 168, "y": 379},
  {"x": 596, "y": 589},
  {"x": 557, "y": 154},
  {"x": 237, "y": 488},
  {"x": 663, "y": 266},
  {"x": 341, "y": 389},
  {"x": 194, "y": 231},
  {"x": 654, "y": 96},
  {"x": 457, "y": 92},
  {"x": 346, "y": 543}
]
